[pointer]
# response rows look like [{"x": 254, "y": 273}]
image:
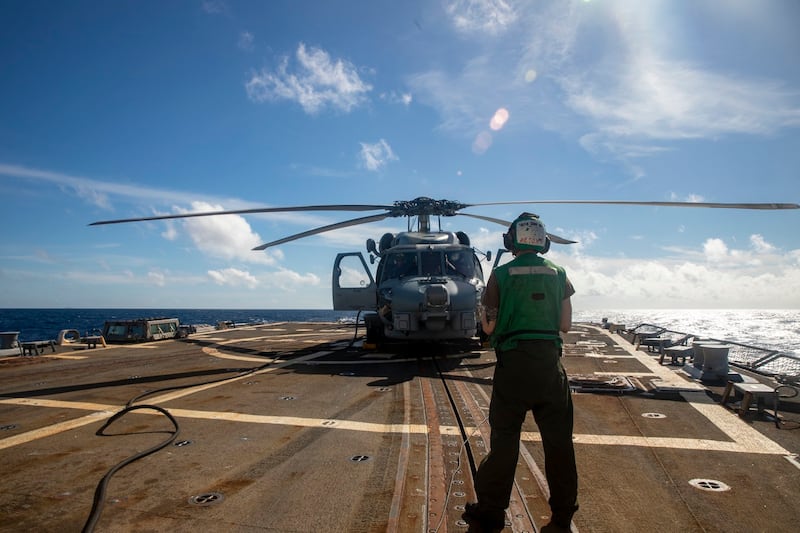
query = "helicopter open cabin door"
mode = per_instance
[{"x": 354, "y": 288}]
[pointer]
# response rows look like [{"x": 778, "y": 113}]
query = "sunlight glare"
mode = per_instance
[{"x": 499, "y": 119}]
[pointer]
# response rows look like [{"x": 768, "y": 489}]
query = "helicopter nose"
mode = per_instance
[{"x": 437, "y": 296}]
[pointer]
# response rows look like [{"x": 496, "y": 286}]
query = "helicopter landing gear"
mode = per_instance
[{"x": 374, "y": 328}]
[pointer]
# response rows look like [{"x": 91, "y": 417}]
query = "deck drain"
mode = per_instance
[
  {"x": 654, "y": 415},
  {"x": 384, "y": 389},
  {"x": 360, "y": 458},
  {"x": 329, "y": 423},
  {"x": 182, "y": 443},
  {"x": 709, "y": 485},
  {"x": 209, "y": 498},
  {"x": 8, "y": 427},
  {"x": 287, "y": 398}
]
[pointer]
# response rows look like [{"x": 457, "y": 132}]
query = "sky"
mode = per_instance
[{"x": 140, "y": 108}]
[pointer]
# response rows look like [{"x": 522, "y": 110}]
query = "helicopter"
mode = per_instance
[{"x": 428, "y": 283}]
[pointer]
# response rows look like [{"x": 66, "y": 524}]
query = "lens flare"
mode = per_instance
[{"x": 499, "y": 119}]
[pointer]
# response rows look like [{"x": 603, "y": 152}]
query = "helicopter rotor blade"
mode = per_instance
[
  {"x": 322, "y": 229},
  {"x": 333, "y": 207},
  {"x": 487, "y": 219},
  {"x": 717, "y": 205},
  {"x": 554, "y": 238}
]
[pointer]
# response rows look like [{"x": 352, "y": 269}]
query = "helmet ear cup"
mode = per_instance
[
  {"x": 546, "y": 246},
  {"x": 508, "y": 241}
]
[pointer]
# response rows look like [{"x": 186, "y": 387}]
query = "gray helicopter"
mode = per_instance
[{"x": 428, "y": 283}]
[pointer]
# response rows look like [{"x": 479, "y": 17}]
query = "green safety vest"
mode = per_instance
[{"x": 531, "y": 291}]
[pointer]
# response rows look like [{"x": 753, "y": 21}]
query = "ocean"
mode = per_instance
[{"x": 777, "y": 329}]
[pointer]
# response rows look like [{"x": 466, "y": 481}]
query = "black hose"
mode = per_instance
[{"x": 100, "y": 491}]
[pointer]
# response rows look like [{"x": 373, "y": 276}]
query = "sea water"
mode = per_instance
[{"x": 777, "y": 329}]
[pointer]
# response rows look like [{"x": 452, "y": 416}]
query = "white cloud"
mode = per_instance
[
  {"x": 233, "y": 277},
  {"x": 611, "y": 74},
  {"x": 760, "y": 245},
  {"x": 376, "y": 155},
  {"x": 157, "y": 278},
  {"x": 226, "y": 237},
  {"x": 715, "y": 250},
  {"x": 482, "y": 16},
  {"x": 316, "y": 83},
  {"x": 397, "y": 98},
  {"x": 717, "y": 276}
]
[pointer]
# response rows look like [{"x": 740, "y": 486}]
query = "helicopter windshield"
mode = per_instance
[
  {"x": 401, "y": 264},
  {"x": 429, "y": 263},
  {"x": 459, "y": 263}
]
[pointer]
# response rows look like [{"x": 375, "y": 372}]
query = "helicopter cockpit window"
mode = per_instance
[
  {"x": 400, "y": 264},
  {"x": 459, "y": 263},
  {"x": 431, "y": 263}
]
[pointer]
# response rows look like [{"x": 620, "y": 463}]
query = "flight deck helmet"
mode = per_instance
[{"x": 527, "y": 232}]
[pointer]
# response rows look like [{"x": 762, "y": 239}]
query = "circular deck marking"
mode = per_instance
[
  {"x": 8, "y": 427},
  {"x": 182, "y": 443},
  {"x": 360, "y": 458},
  {"x": 287, "y": 398},
  {"x": 709, "y": 484},
  {"x": 654, "y": 415},
  {"x": 208, "y": 498}
]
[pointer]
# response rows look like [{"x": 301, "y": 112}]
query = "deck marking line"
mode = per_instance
[
  {"x": 212, "y": 351},
  {"x": 103, "y": 410},
  {"x": 392, "y": 524},
  {"x": 53, "y": 429},
  {"x": 732, "y": 425}
]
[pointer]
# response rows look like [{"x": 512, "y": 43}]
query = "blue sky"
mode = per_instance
[{"x": 137, "y": 108}]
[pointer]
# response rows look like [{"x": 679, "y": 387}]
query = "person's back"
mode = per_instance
[{"x": 525, "y": 305}]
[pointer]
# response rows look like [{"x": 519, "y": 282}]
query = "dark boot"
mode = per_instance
[{"x": 488, "y": 521}]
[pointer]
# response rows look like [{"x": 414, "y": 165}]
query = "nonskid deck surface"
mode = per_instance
[{"x": 292, "y": 427}]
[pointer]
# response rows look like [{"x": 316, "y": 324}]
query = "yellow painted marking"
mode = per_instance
[
  {"x": 604, "y": 356},
  {"x": 742, "y": 443},
  {"x": 75, "y": 357},
  {"x": 264, "y": 360},
  {"x": 54, "y": 429}
]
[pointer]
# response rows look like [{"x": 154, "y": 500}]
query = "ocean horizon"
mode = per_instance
[{"x": 777, "y": 329}]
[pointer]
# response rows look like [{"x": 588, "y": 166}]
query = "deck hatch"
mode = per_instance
[
  {"x": 205, "y": 499},
  {"x": 709, "y": 484}
]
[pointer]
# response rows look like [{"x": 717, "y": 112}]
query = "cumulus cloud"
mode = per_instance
[
  {"x": 233, "y": 277},
  {"x": 227, "y": 237},
  {"x": 315, "y": 82},
  {"x": 715, "y": 276},
  {"x": 375, "y": 156}
]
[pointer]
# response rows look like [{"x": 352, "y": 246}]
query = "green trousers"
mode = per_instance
[{"x": 530, "y": 378}]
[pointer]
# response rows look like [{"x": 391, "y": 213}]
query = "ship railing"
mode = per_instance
[{"x": 783, "y": 366}]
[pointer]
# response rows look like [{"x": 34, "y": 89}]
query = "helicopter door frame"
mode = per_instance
[{"x": 349, "y": 297}]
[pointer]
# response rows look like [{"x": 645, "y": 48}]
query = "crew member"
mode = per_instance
[{"x": 525, "y": 305}]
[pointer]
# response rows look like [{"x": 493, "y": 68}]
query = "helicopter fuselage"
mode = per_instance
[{"x": 427, "y": 287}]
